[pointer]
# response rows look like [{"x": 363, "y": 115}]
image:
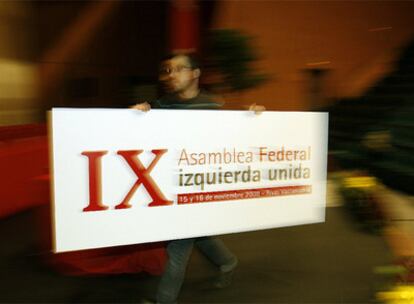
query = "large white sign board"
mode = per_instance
[{"x": 124, "y": 177}]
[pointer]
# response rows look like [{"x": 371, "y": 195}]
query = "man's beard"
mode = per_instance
[{"x": 172, "y": 88}]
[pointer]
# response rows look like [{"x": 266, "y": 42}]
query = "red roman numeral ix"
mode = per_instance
[{"x": 143, "y": 178}]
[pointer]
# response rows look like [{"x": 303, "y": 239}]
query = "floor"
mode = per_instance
[{"x": 331, "y": 262}]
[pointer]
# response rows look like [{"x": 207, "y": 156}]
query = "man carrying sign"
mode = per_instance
[{"x": 180, "y": 76}]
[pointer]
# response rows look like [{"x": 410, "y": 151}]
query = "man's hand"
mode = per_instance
[
  {"x": 257, "y": 109},
  {"x": 144, "y": 107}
]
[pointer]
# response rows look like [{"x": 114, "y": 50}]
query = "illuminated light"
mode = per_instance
[
  {"x": 360, "y": 182},
  {"x": 318, "y": 63},
  {"x": 399, "y": 294},
  {"x": 379, "y": 29},
  {"x": 17, "y": 79}
]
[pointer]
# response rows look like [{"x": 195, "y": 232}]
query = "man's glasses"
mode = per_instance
[{"x": 177, "y": 69}]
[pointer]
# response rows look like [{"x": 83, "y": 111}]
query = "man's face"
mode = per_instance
[{"x": 177, "y": 75}]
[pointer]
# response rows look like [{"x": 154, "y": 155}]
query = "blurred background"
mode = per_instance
[{"x": 353, "y": 59}]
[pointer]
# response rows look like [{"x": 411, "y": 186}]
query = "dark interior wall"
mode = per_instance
[
  {"x": 16, "y": 31},
  {"x": 207, "y": 10},
  {"x": 123, "y": 51},
  {"x": 354, "y": 40}
]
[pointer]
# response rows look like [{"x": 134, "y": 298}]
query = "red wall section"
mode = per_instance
[{"x": 24, "y": 167}]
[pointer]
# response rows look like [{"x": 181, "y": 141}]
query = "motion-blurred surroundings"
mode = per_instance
[{"x": 352, "y": 59}]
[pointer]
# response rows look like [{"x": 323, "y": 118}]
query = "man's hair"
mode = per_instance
[{"x": 191, "y": 57}]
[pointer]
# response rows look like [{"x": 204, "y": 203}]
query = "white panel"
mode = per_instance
[{"x": 250, "y": 204}]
